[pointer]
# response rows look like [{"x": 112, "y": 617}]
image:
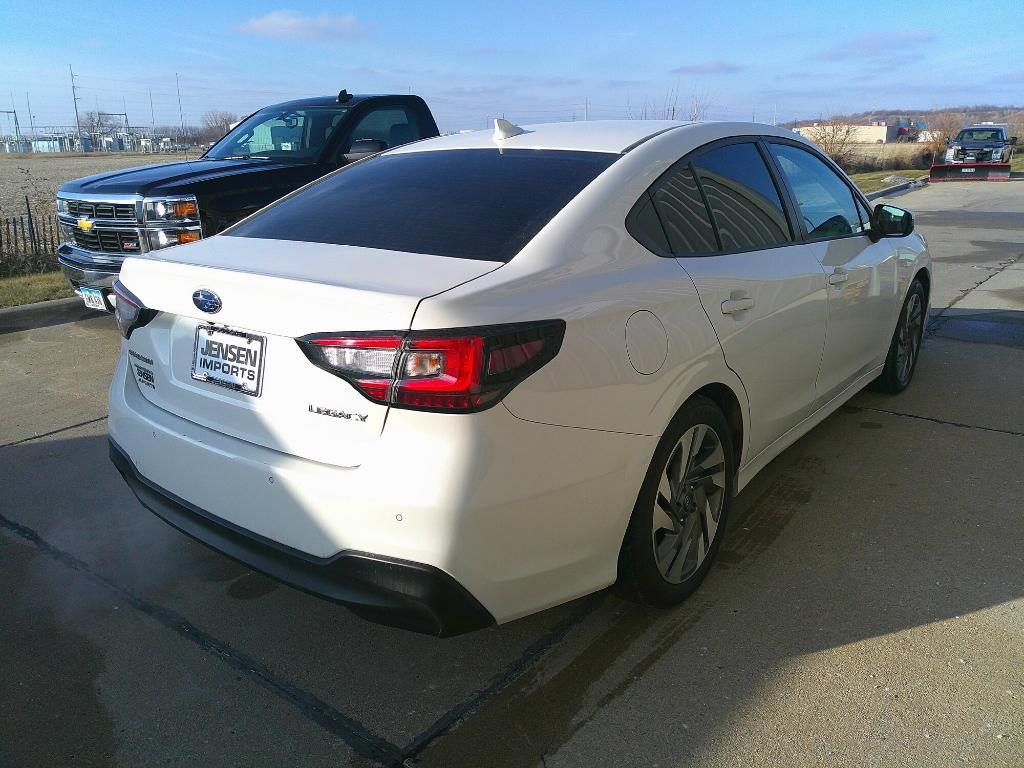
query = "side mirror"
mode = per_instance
[
  {"x": 363, "y": 148},
  {"x": 947, "y": 141},
  {"x": 1013, "y": 139},
  {"x": 890, "y": 221}
]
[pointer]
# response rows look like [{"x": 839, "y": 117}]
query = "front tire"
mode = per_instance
[
  {"x": 681, "y": 512},
  {"x": 905, "y": 348}
]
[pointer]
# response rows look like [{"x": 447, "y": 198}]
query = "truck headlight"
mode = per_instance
[
  {"x": 164, "y": 238},
  {"x": 62, "y": 205},
  {"x": 179, "y": 209},
  {"x": 996, "y": 155},
  {"x": 951, "y": 153}
]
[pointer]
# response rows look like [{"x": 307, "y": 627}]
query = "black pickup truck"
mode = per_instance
[{"x": 105, "y": 217}]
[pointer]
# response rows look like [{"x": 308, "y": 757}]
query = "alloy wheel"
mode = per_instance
[
  {"x": 688, "y": 507},
  {"x": 908, "y": 340}
]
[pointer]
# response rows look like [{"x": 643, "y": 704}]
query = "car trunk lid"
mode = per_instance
[{"x": 239, "y": 370}]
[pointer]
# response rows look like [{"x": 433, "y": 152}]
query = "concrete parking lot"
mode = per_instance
[{"x": 867, "y": 607}]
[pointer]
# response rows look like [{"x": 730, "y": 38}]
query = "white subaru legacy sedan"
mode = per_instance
[{"x": 480, "y": 375}]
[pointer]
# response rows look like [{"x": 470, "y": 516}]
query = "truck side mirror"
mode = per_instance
[
  {"x": 890, "y": 221},
  {"x": 363, "y": 148},
  {"x": 1013, "y": 139}
]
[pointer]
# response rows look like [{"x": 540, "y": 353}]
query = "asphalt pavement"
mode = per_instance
[{"x": 867, "y": 607}]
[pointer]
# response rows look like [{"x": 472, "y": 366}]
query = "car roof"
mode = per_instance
[
  {"x": 332, "y": 101},
  {"x": 616, "y": 136}
]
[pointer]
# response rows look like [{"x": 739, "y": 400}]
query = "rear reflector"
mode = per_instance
[{"x": 458, "y": 370}]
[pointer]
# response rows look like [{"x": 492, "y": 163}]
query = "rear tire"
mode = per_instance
[
  {"x": 680, "y": 514},
  {"x": 905, "y": 347}
]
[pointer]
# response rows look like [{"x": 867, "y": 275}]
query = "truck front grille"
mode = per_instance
[
  {"x": 107, "y": 240},
  {"x": 120, "y": 211}
]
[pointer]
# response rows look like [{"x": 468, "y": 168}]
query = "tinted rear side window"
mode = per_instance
[
  {"x": 682, "y": 211},
  {"x": 481, "y": 204},
  {"x": 744, "y": 202}
]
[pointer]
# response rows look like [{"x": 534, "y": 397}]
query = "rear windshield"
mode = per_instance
[{"x": 483, "y": 204}]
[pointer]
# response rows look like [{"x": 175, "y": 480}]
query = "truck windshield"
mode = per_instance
[
  {"x": 980, "y": 134},
  {"x": 297, "y": 135}
]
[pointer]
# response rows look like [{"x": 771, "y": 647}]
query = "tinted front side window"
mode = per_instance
[
  {"x": 744, "y": 202},
  {"x": 684, "y": 215},
  {"x": 825, "y": 202},
  {"x": 470, "y": 203}
]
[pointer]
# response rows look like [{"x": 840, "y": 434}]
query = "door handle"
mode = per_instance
[
  {"x": 838, "y": 277},
  {"x": 732, "y": 306}
]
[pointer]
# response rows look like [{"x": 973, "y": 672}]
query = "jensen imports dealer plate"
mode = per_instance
[{"x": 230, "y": 359}]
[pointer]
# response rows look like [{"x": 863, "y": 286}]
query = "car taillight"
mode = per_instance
[
  {"x": 129, "y": 311},
  {"x": 455, "y": 370}
]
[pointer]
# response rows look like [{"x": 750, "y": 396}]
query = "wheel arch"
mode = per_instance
[
  {"x": 728, "y": 402},
  {"x": 925, "y": 278}
]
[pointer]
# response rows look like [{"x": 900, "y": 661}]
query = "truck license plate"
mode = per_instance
[{"x": 93, "y": 298}]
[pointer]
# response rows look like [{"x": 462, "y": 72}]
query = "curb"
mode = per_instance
[
  {"x": 897, "y": 188},
  {"x": 42, "y": 314}
]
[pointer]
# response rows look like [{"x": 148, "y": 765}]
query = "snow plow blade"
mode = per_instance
[{"x": 969, "y": 172}]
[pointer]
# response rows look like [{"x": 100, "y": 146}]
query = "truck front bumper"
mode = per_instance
[{"x": 82, "y": 271}]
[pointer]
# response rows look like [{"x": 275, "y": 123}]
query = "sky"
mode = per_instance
[{"x": 525, "y": 60}]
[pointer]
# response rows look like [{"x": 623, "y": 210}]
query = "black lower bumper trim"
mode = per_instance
[{"x": 398, "y": 593}]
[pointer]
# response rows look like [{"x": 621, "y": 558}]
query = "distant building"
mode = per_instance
[{"x": 862, "y": 134}]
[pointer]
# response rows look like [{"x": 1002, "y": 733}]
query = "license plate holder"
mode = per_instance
[
  {"x": 93, "y": 298},
  {"x": 230, "y": 359}
]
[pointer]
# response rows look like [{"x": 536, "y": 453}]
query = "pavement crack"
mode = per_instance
[
  {"x": 353, "y": 733},
  {"x": 947, "y": 423},
  {"x": 936, "y": 323},
  {"x": 53, "y": 432},
  {"x": 463, "y": 711}
]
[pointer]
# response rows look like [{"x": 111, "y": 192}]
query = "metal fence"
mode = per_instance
[{"x": 28, "y": 243}]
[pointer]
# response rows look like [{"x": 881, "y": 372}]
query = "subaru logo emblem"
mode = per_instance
[{"x": 207, "y": 301}]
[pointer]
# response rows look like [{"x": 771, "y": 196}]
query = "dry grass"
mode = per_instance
[
  {"x": 15, "y": 291},
  {"x": 874, "y": 180},
  {"x": 40, "y": 174}
]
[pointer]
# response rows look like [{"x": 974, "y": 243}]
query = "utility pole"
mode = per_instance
[
  {"x": 17, "y": 128},
  {"x": 74, "y": 96},
  {"x": 181, "y": 114},
  {"x": 31, "y": 118}
]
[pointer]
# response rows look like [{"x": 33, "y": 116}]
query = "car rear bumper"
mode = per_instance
[
  {"x": 523, "y": 516},
  {"x": 398, "y": 593}
]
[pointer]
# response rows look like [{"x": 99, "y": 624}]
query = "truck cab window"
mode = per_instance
[{"x": 292, "y": 134}]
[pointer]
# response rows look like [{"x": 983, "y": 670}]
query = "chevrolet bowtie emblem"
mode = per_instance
[{"x": 84, "y": 224}]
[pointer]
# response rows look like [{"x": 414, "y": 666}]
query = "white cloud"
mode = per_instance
[
  {"x": 877, "y": 44},
  {"x": 292, "y": 25},
  {"x": 706, "y": 68}
]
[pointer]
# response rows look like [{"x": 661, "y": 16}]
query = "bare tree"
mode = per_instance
[
  {"x": 93, "y": 122},
  {"x": 836, "y": 139},
  {"x": 942, "y": 128},
  {"x": 699, "y": 103},
  {"x": 216, "y": 123}
]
